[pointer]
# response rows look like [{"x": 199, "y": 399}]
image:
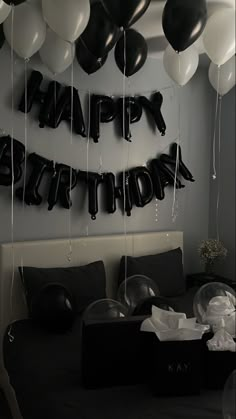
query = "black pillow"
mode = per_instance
[
  {"x": 166, "y": 269},
  {"x": 85, "y": 283}
]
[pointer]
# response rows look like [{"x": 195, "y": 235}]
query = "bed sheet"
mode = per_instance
[{"x": 44, "y": 370}]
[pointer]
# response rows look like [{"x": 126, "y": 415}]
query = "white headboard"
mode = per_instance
[{"x": 55, "y": 253}]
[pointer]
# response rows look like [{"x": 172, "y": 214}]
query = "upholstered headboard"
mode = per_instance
[{"x": 56, "y": 253}]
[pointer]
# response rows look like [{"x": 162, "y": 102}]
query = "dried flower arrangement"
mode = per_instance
[{"x": 211, "y": 251}]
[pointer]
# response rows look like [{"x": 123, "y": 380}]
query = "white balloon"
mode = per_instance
[
  {"x": 181, "y": 67},
  {"x": 29, "y": 30},
  {"x": 5, "y": 10},
  {"x": 68, "y": 18},
  {"x": 223, "y": 78},
  {"x": 219, "y": 36},
  {"x": 56, "y": 53}
]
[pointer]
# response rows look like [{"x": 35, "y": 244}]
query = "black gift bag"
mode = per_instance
[
  {"x": 217, "y": 366},
  {"x": 174, "y": 367}
]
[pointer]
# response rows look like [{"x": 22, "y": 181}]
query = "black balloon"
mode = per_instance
[
  {"x": 125, "y": 13},
  {"x": 33, "y": 92},
  {"x": 15, "y": 2},
  {"x": 141, "y": 175},
  {"x": 92, "y": 180},
  {"x": 126, "y": 192},
  {"x": 130, "y": 111},
  {"x": 144, "y": 308},
  {"x": 101, "y": 34},
  {"x": 7, "y": 163},
  {"x": 31, "y": 194},
  {"x": 2, "y": 37},
  {"x": 53, "y": 308},
  {"x": 154, "y": 107},
  {"x": 131, "y": 52},
  {"x": 63, "y": 182},
  {"x": 183, "y": 22},
  {"x": 103, "y": 109},
  {"x": 88, "y": 62}
]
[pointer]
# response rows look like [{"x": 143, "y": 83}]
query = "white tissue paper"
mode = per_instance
[
  {"x": 172, "y": 326},
  {"x": 221, "y": 341},
  {"x": 221, "y": 313}
]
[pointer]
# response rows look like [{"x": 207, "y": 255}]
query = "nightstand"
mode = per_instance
[{"x": 202, "y": 278}]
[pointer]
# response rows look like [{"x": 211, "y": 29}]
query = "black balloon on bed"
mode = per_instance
[{"x": 54, "y": 309}]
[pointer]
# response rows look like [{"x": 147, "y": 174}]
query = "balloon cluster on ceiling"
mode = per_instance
[
  {"x": 90, "y": 32},
  {"x": 183, "y": 23}
]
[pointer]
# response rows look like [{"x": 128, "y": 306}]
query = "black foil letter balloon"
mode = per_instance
[
  {"x": 6, "y": 146},
  {"x": 2, "y": 37},
  {"x": 31, "y": 194},
  {"x": 33, "y": 92},
  {"x": 48, "y": 107},
  {"x": 141, "y": 175},
  {"x": 154, "y": 107},
  {"x": 63, "y": 182},
  {"x": 171, "y": 160},
  {"x": 126, "y": 192},
  {"x": 112, "y": 192},
  {"x": 87, "y": 61},
  {"x": 130, "y": 111},
  {"x": 131, "y": 52},
  {"x": 183, "y": 22},
  {"x": 92, "y": 180},
  {"x": 159, "y": 180},
  {"x": 65, "y": 113},
  {"x": 101, "y": 34},
  {"x": 103, "y": 109},
  {"x": 125, "y": 13}
]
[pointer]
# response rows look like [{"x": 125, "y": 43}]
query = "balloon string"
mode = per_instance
[
  {"x": 26, "y": 148},
  {"x": 124, "y": 163},
  {"x": 214, "y": 175},
  {"x": 55, "y": 109},
  {"x": 219, "y": 170},
  {"x": 175, "y": 202},
  {"x": 11, "y": 337},
  {"x": 69, "y": 257}
]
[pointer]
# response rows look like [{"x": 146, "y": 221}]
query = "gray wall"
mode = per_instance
[
  {"x": 225, "y": 183},
  {"x": 115, "y": 154}
]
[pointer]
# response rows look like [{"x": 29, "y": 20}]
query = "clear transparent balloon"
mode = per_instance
[
  {"x": 135, "y": 289},
  {"x": 105, "y": 309},
  {"x": 229, "y": 397},
  {"x": 209, "y": 293}
]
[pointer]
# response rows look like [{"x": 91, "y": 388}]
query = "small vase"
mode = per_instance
[{"x": 209, "y": 269}]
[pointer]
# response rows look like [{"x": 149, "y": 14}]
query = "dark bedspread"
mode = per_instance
[{"x": 44, "y": 370}]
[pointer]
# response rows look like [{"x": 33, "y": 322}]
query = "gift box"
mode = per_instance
[
  {"x": 217, "y": 366},
  {"x": 174, "y": 368},
  {"x": 111, "y": 352}
]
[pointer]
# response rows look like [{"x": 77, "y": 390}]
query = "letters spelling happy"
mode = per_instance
[{"x": 56, "y": 103}]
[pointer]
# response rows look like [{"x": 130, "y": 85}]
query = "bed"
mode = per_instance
[{"x": 40, "y": 373}]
